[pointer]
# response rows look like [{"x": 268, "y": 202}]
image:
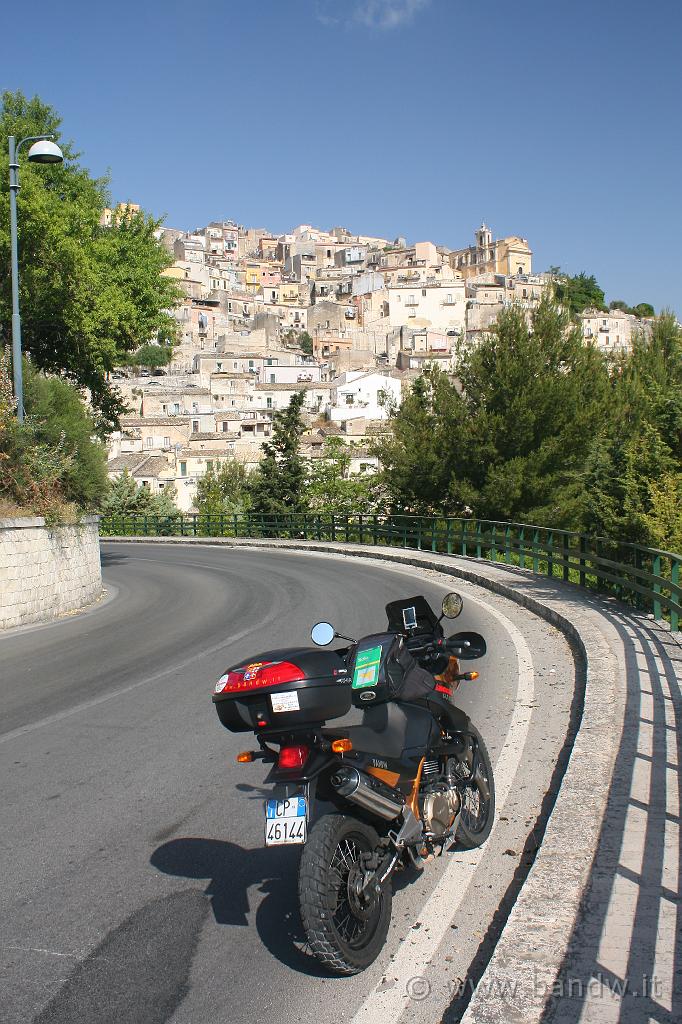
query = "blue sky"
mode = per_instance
[{"x": 559, "y": 122}]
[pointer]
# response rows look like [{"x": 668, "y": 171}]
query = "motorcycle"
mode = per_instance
[{"x": 368, "y": 799}]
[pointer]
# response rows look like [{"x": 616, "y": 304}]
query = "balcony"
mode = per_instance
[{"x": 413, "y": 302}]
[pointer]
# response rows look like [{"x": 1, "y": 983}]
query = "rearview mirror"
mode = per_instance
[
  {"x": 322, "y": 634},
  {"x": 470, "y": 645},
  {"x": 452, "y": 605}
]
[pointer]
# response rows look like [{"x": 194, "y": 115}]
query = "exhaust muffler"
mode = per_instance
[{"x": 367, "y": 792}]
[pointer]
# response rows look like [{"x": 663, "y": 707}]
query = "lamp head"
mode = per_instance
[{"x": 45, "y": 152}]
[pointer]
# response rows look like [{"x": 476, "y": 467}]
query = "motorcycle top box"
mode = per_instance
[{"x": 284, "y": 689}]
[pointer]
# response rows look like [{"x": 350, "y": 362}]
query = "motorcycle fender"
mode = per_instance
[{"x": 316, "y": 807}]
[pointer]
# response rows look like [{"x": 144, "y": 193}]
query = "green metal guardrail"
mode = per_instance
[{"x": 644, "y": 577}]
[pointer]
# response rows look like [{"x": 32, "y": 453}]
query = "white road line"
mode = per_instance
[
  {"x": 176, "y": 667},
  {"x": 440, "y": 909}
]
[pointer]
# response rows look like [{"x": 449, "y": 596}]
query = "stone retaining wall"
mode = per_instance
[{"x": 46, "y": 571}]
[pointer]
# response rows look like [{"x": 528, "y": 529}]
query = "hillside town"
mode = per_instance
[{"x": 350, "y": 320}]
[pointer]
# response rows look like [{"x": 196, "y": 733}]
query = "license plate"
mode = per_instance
[{"x": 285, "y": 821}]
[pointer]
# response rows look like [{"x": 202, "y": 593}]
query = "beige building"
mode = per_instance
[
  {"x": 612, "y": 332},
  {"x": 437, "y": 305},
  {"x": 509, "y": 256}
]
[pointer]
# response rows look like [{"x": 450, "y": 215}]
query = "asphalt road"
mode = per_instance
[{"x": 134, "y": 885}]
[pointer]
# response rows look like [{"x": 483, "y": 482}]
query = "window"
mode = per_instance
[
  {"x": 268, "y": 402},
  {"x": 272, "y": 378},
  {"x": 176, "y": 407},
  {"x": 448, "y": 298},
  {"x": 224, "y": 426},
  {"x": 219, "y": 366},
  {"x": 148, "y": 442},
  {"x": 424, "y": 292},
  {"x": 195, "y": 426},
  {"x": 166, "y": 442},
  {"x": 183, "y": 469}
]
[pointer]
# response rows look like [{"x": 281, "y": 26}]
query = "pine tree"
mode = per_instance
[{"x": 279, "y": 482}]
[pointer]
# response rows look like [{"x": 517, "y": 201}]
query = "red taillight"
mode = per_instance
[
  {"x": 293, "y": 757},
  {"x": 258, "y": 675}
]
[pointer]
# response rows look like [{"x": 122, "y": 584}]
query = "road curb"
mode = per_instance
[{"x": 526, "y": 963}]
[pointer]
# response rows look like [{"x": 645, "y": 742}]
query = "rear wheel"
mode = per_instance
[
  {"x": 477, "y": 790},
  {"x": 346, "y": 928}
]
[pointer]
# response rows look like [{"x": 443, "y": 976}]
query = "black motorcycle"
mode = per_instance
[{"x": 368, "y": 799}]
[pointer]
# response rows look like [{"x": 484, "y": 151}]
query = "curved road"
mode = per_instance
[{"x": 135, "y": 888}]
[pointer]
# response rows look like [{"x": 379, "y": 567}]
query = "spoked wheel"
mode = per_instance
[
  {"x": 345, "y": 926},
  {"x": 477, "y": 789}
]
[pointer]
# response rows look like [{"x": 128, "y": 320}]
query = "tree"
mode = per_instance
[
  {"x": 52, "y": 464},
  {"x": 333, "y": 488},
  {"x": 578, "y": 293},
  {"x": 151, "y": 356},
  {"x": 619, "y": 304},
  {"x": 225, "y": 491},
  {"x": 419, "y": 455},
  {"x": 643, "y": 309},
  {"x": 306, "y": 343},
  {"x": 279, "y": 482},
  {"x": 89, "y": 294},
  {"x": 535, "y": 399},
  {"x": 633, "y": 470},
  {"x": 125, "y": 497},
  {"x": 59, "y": 418},
  {"x": 513, "y": 444}
]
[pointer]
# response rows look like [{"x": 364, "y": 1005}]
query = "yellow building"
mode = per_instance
[{"x": 509, "y": 256}]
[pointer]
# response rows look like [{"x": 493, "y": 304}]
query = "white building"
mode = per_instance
[
  {"x": 370, "y": 395},
  {"x": 440, "y": 305}
]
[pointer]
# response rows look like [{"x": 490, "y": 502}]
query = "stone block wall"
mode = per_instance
[{"x": 46, "y": 571}]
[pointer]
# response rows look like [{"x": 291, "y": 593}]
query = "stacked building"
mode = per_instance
[{"x": 350, "y": 320}]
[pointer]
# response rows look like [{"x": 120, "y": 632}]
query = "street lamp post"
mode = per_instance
[{"x": 43, "y": 151}]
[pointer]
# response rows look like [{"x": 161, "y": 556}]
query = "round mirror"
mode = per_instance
[
  {"x": 452, "y": 605},
  {"x": 322, "y": 634}
]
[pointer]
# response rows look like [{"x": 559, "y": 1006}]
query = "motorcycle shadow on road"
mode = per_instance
[{"x": 233, "y": 870}]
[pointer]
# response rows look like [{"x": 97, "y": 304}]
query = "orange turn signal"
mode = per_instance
[
  {"x": 245, "y": 757},
  {"x": 341, "y": 746},
  {"x": 472, "y": 675}
]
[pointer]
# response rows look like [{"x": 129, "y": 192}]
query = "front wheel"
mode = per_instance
[
  {"x": 477, "y": 790},
  {"x": 346, "y": 928}
]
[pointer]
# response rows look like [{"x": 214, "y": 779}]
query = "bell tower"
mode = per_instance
[{"x": 484, "y": 239}]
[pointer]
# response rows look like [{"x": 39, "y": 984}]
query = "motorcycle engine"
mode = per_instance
[{"x": 439, "y": 805}]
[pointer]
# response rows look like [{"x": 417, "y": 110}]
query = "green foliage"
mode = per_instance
[
  {"x": 125, "y": 497},
  {"x": 89, "y": 295},
  {"x": 634, "y": 466},
  {"x": 306, "y": 343},
  {"x": 53, "y": 460},
  {"x": 151, "y": 356},
  {"x": 224, "y": 491},
  {"x": 333, "y": 488},
  {"x": 545, "y": 432},
  {"x": 513, "y": 443},
  {"x": 641, "y": 310},
  {"x": 278, "y": 484},
  {"x": 579, "y": 292},
  {"x": 421, "y": 453}
]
